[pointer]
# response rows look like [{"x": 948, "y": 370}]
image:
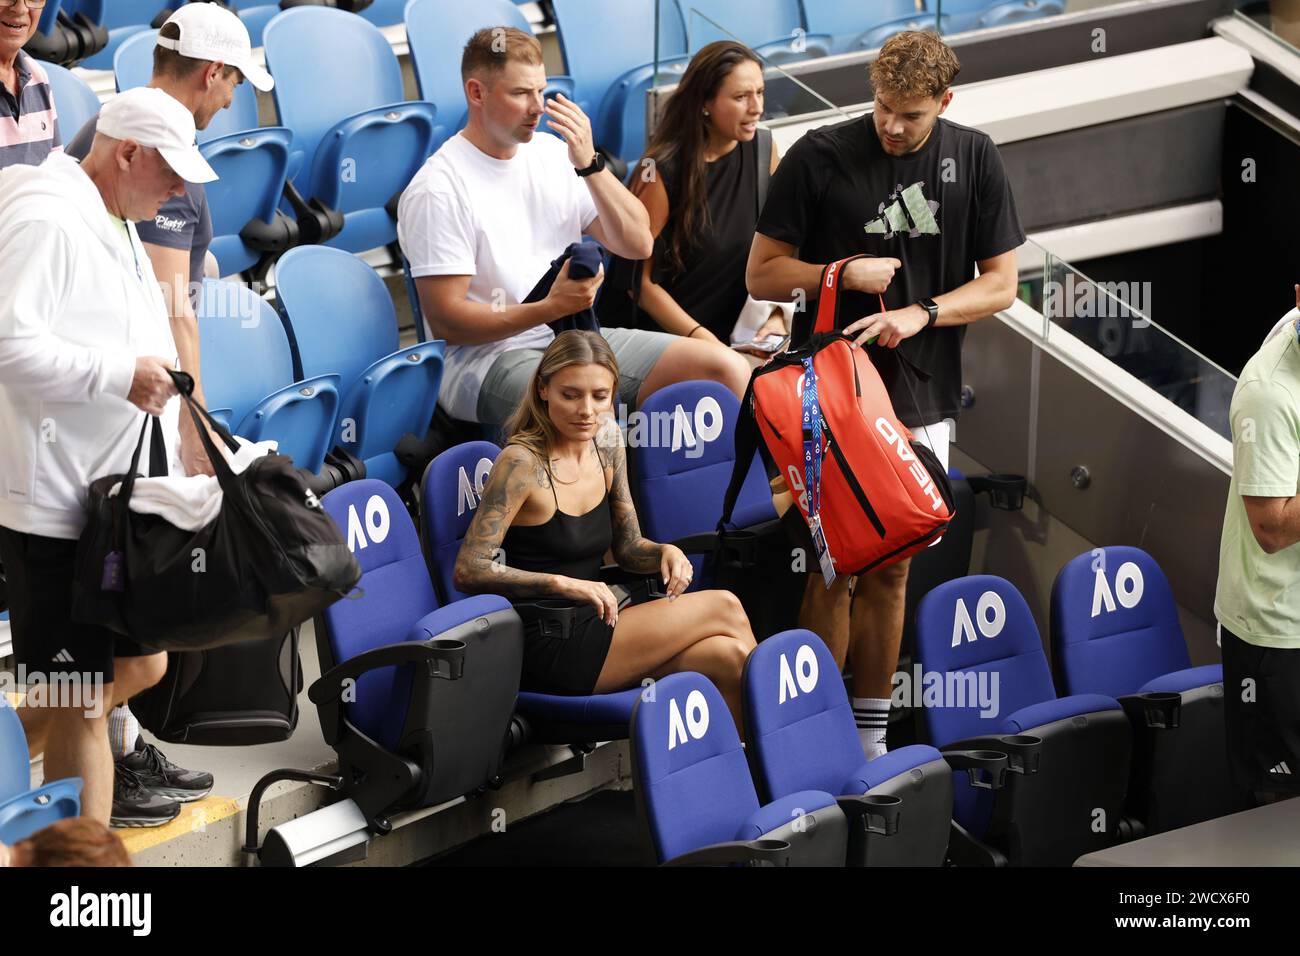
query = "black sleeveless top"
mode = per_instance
[
  {"x": 573, "y": 546},
  {"x": 710, "y": 286}
]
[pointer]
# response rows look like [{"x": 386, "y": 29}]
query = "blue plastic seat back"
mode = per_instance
[
  {"x": 974, "y": 629},
  {"x": 798, "y": 717},
  {"x": 342, "y": 315},
  {"x": 752, "y": 22},
  {"x": 847, "y": 23},
  {"x": 255, "y": 18},
  {"x": 683, "y": 440},
  {"x": 251, "y": 167},
  {"x": 122, "y": 18},
  {"x": 245, "y": 353},
  {"x": 982, "y": 14},
  {"x": 689, "y": 767},
  {"x": 449, "y": 497},
  {"x": 133, "y": 60},
  {"x": 594, "y": 62},
  {"x": 437, "y": 32},
  {"x": 343, "y": 322},
  {"x": 394, "y": 592},
  {"x": 248, "y": 369},
  {"x": 74, "y": 101},
  {"x": 383, "y": 13},
  {"x": 15, "y": 767},
  {"x": 1114, "y": 623},
  {"x": 299, "y": 42}
]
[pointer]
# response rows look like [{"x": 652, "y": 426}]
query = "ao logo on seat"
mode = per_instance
[
  {"x": 696, "y": 722},
  {"x": 705, "y": 424},
  {"x": 990, "y": 617},
  {"x": 804, "y": 674},
  {"x": 1128, "y": 588},
  {"x": 375, "y": 527},
  {"x": 467, "y": 494}
]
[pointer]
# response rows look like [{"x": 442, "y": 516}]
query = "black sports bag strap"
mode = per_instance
[
  {"x": 828, "y": 298},
  {"x": 764, "y": 138},
  {"x": 746, "y": 439}
]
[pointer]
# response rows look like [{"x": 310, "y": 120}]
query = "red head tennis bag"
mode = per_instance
[{"x": 825, "y": 417}]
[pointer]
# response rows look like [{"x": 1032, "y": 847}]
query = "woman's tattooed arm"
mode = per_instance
[{"x": 480, "y": 565}]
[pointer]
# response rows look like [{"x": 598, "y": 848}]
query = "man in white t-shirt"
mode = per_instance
[{"x": 482, "y": 221}]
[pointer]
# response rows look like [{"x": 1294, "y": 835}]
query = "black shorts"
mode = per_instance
[
  {"x": 1261, "y": 692},
  {"x": 566, "y": 665},
  {"x": 46, "y": 640}
]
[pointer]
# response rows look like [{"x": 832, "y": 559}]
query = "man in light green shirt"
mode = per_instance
[{"x": 1258, "y": 597}]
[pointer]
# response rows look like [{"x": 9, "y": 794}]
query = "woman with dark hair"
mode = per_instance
[
  {"x": 701, "y": 182},
  {"x": 525, "y": 543}
]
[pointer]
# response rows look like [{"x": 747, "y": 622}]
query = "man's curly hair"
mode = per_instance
[{"x": 913, "y": 64}]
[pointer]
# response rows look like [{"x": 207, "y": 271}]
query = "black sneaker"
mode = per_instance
[
  {"x": 163, "y": 777},
  {"x": 136, "y": 806}
]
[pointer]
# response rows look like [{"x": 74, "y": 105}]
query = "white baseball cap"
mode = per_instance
[
  {"x": 154, "y": 118},
  {"x": 211, "y": 32}
]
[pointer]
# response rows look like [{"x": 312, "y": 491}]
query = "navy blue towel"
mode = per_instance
[{"x": 587, "y": 258}]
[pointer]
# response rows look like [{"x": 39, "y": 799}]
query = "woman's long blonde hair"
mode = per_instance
[{"x": 531, "y": 425}]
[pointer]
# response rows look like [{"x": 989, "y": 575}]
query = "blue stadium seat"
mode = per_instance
[
  {"x": 436, "y": 33},
  {"x": 407, "y": 735},
  {"x": 24, "y": 810},
  {"x": 682, "y": 453},
  {"x": 610, "y": 79},
  {"x": 774, "y": 29},
  {"x": 360, "y": 140},
  {"x": 457, "y": 475},
  {"x": 248, "y": 228},
  {"x": 248, "y": 376},
  {"x": 801, "y": 736},
  {"x": 123, "y": 19},
  {"x": 853, "y": 27},
  {"x": 384, "y": 13},
  {"x": 695, "y": 796},
  {"x": 962, "y": 15},
  {"x": 74, "y": 101},
  {"x": 1115, "y": 631},
  {"x": 255, "y": 14},
  {"x": 342, "y": 321},
  {"x": 1064, "y": 794}
]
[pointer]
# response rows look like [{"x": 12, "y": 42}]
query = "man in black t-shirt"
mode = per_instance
[{"x": 930, "y": 200}]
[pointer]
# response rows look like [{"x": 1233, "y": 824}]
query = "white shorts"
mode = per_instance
[{"x": 937, "y": 438}]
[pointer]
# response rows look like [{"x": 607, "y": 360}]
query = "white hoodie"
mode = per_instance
[{"x": 76, "y": 310}]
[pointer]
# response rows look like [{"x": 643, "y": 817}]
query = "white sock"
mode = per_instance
[
  {"x": 871, "y": 714},
  {"x": 123, "y": 729}
]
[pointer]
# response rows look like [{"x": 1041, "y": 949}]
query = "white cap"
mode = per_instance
[
  {"x": 211, "y": 32},
  {"x": 153, "y": 118}
]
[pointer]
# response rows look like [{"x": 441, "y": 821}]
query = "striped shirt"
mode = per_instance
[{"x": 29, "y": 125}]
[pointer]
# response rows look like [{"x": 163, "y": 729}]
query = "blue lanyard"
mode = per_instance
[{"x": 812, "y": 440}]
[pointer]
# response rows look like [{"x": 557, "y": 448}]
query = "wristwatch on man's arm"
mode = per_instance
[
  {"x": 596, "y": 166},
  {"x": 932, "y": 309}
]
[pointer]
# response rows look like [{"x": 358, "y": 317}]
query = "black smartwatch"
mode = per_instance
[
  {"x": 932, "y": 308},
  {"x": 596, "y": 166}
]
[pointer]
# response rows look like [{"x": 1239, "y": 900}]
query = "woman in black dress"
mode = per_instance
[
  {"x": 556, "y": 501},
  {"x": 700, "y": 180}
]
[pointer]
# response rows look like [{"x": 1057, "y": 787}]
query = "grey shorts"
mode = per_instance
[{"x": 636, "y": 352}]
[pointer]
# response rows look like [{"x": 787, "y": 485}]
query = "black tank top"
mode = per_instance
[
  {"x": 711, "y": 284},
  {"x": 573, "y": 546}
]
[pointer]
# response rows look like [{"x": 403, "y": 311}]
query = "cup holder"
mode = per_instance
[{"x": 1006, "y": 492}]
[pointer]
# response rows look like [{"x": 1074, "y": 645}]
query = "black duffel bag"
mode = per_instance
[
  {"x": 271, "y": 559},
  {"x": 229, "y": 696}
]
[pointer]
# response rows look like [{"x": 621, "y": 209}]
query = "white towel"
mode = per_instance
[{"x": 191, "y": 502}]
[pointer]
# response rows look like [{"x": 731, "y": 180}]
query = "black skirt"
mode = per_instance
[{"x": 568, "y": 664}]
